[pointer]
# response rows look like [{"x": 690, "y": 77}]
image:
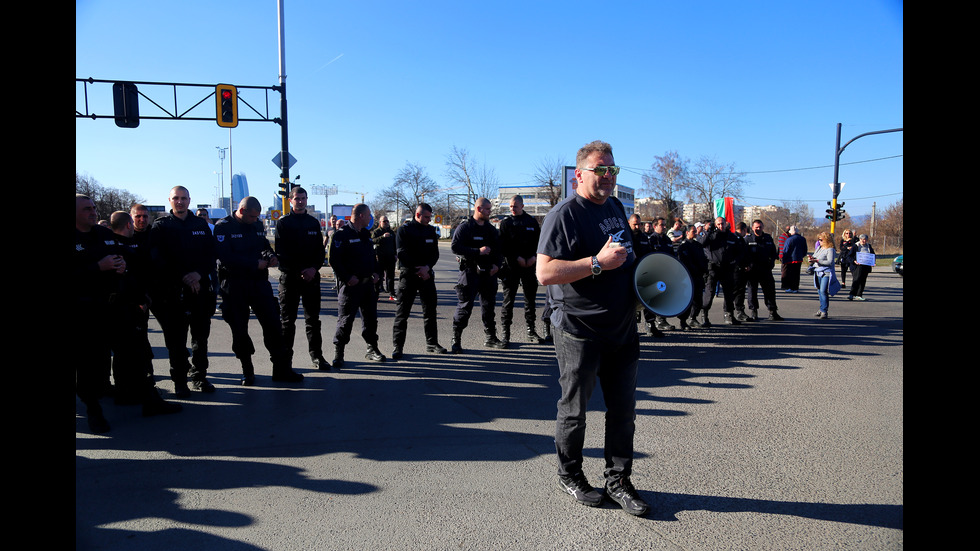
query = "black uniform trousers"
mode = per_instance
[
  {"x": 519, "y": 277},
  {"x": 740, "y": 278},
  {"x": 93, "y": 350},
  {"x": 386, "y": 263},
  {"x": 725, "y": 275},
  {"x": 132, "y": 356},
  {"x": 362, "y": 298},
  {"x": 471, "y": 284},
  {"x": 178, "y": 315},
  {"x": 409, "y": 287},
  {"x": 697, "y": 298},
  {"x": 293, "y": 291},
  {"x": 762, "y": 277},
  {"x": 238, "y": 295}
]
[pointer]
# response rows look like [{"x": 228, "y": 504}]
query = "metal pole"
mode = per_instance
[
  {"x": 221, "y": 161},
  {"x": 836, "y": 186},
  {"x": 837, "y": 153},
  {"x": 282, "y": 108},
  {"x": 231, "y": 170}
]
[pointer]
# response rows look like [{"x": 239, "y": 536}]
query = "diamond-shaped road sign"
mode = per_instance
[{"x": 277, "y": 160}]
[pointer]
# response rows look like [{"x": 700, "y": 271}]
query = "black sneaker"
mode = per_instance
[
  {"x": 97, "y": 422},
  {"x": 181, "y": 390},
  {"x": 493, "y": 342},
  {"x": 203, "y": 385},
  {"x": 435, "y": 349},
  {"x": 286, "y": 375},
  {"x": 622, "y": 492},
  {"x": 374, "y": 355},
  {"x": 578, "y": 487},
  {"x": 533, "y": 337},
  {"x": 321, "y": 364},
  {"x": 159, "y": 406}
]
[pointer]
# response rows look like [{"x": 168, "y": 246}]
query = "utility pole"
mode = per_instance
[
  {"x": 221, "y": 161},
  {"x": 282, "y": 107}
]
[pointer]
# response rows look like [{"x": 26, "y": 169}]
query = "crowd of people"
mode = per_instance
[{"x": 178, "y": 266}]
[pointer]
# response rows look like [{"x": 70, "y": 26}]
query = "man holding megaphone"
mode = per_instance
[{"x": 585, "y": 256}]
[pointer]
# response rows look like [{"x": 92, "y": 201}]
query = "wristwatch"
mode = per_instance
[{"x": 596, "y": 268}]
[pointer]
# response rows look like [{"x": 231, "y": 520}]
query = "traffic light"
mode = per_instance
[
  {"x": 125, "y": 103},
  {"x": 284, "y": 189},
  {"x": 830, "y": 213},
  {"x": 227, "y": 105},
  {"x": 841, "y": 213}
]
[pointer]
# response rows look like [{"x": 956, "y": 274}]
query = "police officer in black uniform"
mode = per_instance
[
  {"x": 103, "y": 322},
  {"x": 356, "y": 269},
  {"x": 519, "y": 235},
  {"x": 642, "y": 247},
  {"x": 132, "y": 357},
  {"x": 417, "y": 248},
  {"x": 244, "y": 259},
  {"x": 476, "y": 244},
  {"x": 724, "y": 252},
  {"x": 183, "y": 290},
  {"x": 660, "y": 242},
  {"x": 383, "y": 238},
  {"x": 97, "y": 270},
  {"x": 690, "y": 253},
  {"x": 741, "y": 276},
  {"x": 761, "y": 255},
  {"x": 299, "y": 246}
]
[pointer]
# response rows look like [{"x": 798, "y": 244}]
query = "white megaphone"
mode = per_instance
[{"x": 663, "y": 285}]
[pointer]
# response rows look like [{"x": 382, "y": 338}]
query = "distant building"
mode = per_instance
[
  {"x": 536, "y": 199},
  {"x": 239, "y": 187},
  {"x": 765, "y": 213}
]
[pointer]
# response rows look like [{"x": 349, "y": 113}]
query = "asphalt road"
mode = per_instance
[{"x": 768, "y": 435}]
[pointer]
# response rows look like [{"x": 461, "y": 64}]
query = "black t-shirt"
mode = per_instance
[{"x": 596, "y": 307}]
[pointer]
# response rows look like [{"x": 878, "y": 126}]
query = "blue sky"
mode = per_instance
[{"x": 374, "y": 84}]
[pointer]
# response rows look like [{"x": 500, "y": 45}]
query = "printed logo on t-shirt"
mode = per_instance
[{"x": 616, "y": 229}]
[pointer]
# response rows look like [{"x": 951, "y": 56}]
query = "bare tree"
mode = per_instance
[
  {"x": 710, "y": 180},
  {"x": 477, "y": 179},
  {"x": 487, "y": 182},
  {"x": 667, "y": 176},
  {"x": 549, "y": 175},
  {"x": 459, "y": 171},
  {"x": 411, "y": 186},
  {"x": 892, "y": 221},
  {"x": 107, "y": 200},
  {"x": 799, "y": 214},
  {"x": 383, "y": 206}
]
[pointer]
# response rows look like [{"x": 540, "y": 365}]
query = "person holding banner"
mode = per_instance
[{"x": 861, "y": 259}]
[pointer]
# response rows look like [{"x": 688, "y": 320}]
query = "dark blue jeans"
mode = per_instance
[{"x": 581, "y": 362}]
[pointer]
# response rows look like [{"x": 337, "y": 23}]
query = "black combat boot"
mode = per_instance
[
  {"x": 456, "y": 347},
  {"x": 248, "y": 372}
]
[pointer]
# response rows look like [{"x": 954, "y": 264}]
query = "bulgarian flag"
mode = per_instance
[{"x": 725, "y": 208}]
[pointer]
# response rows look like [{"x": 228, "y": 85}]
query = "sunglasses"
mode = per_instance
[{"x": 601, "y": 171}]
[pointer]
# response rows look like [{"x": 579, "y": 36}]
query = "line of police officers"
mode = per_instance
[
  {"x": 179, "y": 265},
  {"x": 737, "y": 261}
]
